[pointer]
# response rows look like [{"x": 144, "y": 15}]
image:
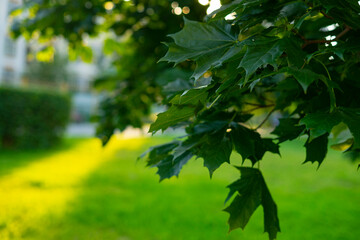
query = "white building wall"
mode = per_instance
[
  {"x": 12, "y": 53},
  {"x": 13, "y": 67},
  {"x": 3, "y": 21}
]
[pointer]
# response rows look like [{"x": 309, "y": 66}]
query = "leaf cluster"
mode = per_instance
[{"x": 298, "y": 59}]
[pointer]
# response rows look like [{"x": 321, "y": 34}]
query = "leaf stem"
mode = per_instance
[
  {"x": 216, "y": 99},
  {"x": 233, "y": 117},
  {"x": 331, "y": 90},
  {"x": 327, "y": 71}
]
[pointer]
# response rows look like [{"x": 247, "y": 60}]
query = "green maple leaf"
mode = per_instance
[
  {"x": 271, "y": 220},
  {"x": 209, "y": 127},
  {"x": 320, "y": 123},
  {"x": 184, "y": 106},
  {"x": 351, "y": 117},
  {"x": 172, "y": 116},
  {"x": 250, "y": 145},
  {"x": 171, "y": 166},
  {"x": 242, "y": 8},
  {"x": 208, "y": 44},
  {"x": 244, "y": 205},
  {"x": 208, "y": 141},
  {"x": 252, "y": 192},
  {"x": 158, "y": 153},
  {"x": 261, "y": 53},
  {"x": 344, "y": 145},
  {"x": 263, "y": 146},
  {"x": 226, "y": 10},
  {"x": 305, "y": 77},
  {"x": 295, "y": 54},
  {"x": 215, "y": 152},
  {"x": 316, "y": 149},
  {"x": 169, "y": 158},
  {"x": 244, "y": 141},
  {"x": 288, "y": 129},
  {"x": 191, "y": 97}
]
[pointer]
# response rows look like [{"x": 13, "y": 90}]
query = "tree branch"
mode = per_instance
[
  {"x": 308, "y": 42},
  {"x": 327, "y": 16},
  {"x": 258, "y": 105},
  {"x": 257, "y": 108},
  {"x": 266, "y": 118},
  {"x": 297, "y": 33}
]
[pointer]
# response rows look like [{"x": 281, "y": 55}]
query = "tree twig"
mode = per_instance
[
  {"x": 327, "y": 16},
  {"x": 308, "y": 42},
  {"x": 266, "y": 118},
  {"x": 297, "y": 33},
  {"x": 258, "y": 105},
  {"x": 266, "y": 99}
]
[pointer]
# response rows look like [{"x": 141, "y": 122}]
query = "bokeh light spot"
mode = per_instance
[
  {"x": 186, "y": 10},
  {"x": 109, "y": 5},
  {"x": 178, "y": 10}
]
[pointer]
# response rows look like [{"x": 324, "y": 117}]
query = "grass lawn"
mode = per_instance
[
  {"x": 85, "y": 192},
  {"x": 12, "y": 159}
]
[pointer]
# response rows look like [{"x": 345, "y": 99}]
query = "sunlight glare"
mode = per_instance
[
  {"x": 330, "y": 28},
  {"x": 214, "y": 5},
  {"x": 204, "y": 2}
]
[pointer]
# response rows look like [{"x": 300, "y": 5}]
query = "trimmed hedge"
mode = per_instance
[{"x": 32, "y": 119}]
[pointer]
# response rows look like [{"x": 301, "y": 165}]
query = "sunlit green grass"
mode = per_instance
[
  {"x": 120, "y": 199},
  {"x": 12, "y": 159}
]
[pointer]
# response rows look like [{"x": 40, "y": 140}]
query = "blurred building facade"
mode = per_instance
[
  {"x": 15, "y": 63},
  {"x": 12, "y": 53}
]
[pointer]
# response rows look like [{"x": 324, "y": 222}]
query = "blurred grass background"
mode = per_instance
[{"x": 83, "y": 191}]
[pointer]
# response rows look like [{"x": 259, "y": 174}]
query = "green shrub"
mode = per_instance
[{"x": 32, "y": 119}]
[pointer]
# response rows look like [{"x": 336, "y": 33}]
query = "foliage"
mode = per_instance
[
  {"x": 296, "y": 58},
  {"x": 299, "y": 59},
  {"x": 32, "y": 119}
]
